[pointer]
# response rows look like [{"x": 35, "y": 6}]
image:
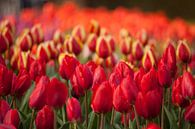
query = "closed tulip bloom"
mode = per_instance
[
  {"x": 4, "y": 108},
  {"x": 124, "y": 95},
  {"x": 3, "y": 43},
  {"x": 148, "y": 105},
  {"x": 43, "y": 53},
  {"x": 37, "y": 33},
  {"x": 58, "y": 37},
  {"x": 7, "y": 24},
  {"x": 79, "y": 32},
  {"x": 8, "y": 35},
  {"x": 84, "y": 76},
  {"x": 68, "y": 66},
  {"x": 115, "y": 79},
  {"x": 137, "y": 50},
  {"x": 73, "y": 110},
  {"x": 111, "y": 41},
  {"x": 138, "y": 77},
  {"x": 169, "y": 58},
  {"x": 21, "y": 83},
  {"x": 188, "y": 85},
  {"x": 92, "y": 66},
  {"x": 103, "y": 48},
  {"x": 126, "y": 45},
  {"x": 57, "y": 93},
  {"x": 94, "y": 27},
  {"x": 153, "y": 126},
  {"x": 143, "y": 36},
  {"x": 177, "y": 97},
  {"x": 2, "y": 61},
  {"x": 45, "y": 118},
  {"x": 148, "y": 60},
  {"x": 102, "y": 98},
  {"x": 189, "y": 113},
  {"x": 12, "y": 118},
  {"x": 164, "y": 75},
  {"x": 75, "y": 45},
  {"x": 38, "y": 97},
  {"x": 5, "y": 126},
  {"x": 5, "y": 80},
  {"x": 183, "y": 51},
  {"x": 91, "y": 42}
]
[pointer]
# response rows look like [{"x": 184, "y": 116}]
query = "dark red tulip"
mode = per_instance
[
  {"x": 124, "y": 95},
  {"x": 57, "y": 93},
  {"x": 153, "y": 126},
  {"x": 5, "y": 126},
  {"x": 4, "y": 108},
  {"x": 12, "y": 118},
  {"x": 148, "y": 105},
  {"x": 5, "y": 80},
  {"x": 188, "y": 85},
  {"x": 142, "y": 35},
  {"x": 102, "y": 98},
  {"x": 126, "y": 45},
  {"x": 98, "y": 77},
  {"x": 111, "y": 41},
  {"x": 8, "y": 35},
  {"x": 79, "y": 32},
  {"x": 115, "y": 79},
  {"x": 74, "y": 45},
  {"x": 67, "y": 67},
  {"x": 189, "y": 113},
  {"x": 37, "y": 69},
  {"x": 43, "y": 53},
  {"x": 183, "y": 51},
  {"x": 37, "y": 33},
  {"x": 94, "y": 27},
  {"x": 92, "y": 66},
  {"x": 2, "y": 61},
  {"x": 58, "y": 37},
  {"x": 138, "y": 77},
  {"x": 21, "y": 83},
  {"x": 103, "y": 48},
  {"x": 45, "y": 118},
  {"x": 38, "y": 97},
  {"x": 164, "y": 74},
  {"x": 7, "y": 24},
  {"x": 148, "y": 60},
  {"x": 137, "y": 50},
  {"x": 91, "y": 42},
  {"x": 3, "y": 43},
  {"x": 169, "y": 58},
  {"x": 177, "y": 97},
  {"x": 73, "y": 110},
  {"x": 84, "y": 76}
]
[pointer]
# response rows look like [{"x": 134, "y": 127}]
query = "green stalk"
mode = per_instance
[
  {"x": 102, "y": 121},
  {"x": 112, "y": 116},
  {"x": 32, "y": 119},
  {"x": 125, "y": 121},
  {"x": 162, "y": 111},
  {"x": 86, "y": 109},
  {"x": 136, "y": 118}
]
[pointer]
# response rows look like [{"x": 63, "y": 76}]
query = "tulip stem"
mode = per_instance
[
  {"x": 86, "y": 110},
  {"x": 102, "y": 121},
  {"x": 63, "y": 115},
  {"x": 179, "y": 117},
  {"x": 112, "y": 116},
  {"x": 162, "y": 111},
  {"x": 125, "y": 121},
  {"x": 136, "y": 117},
  {"x": 32, "y": 119},
  {"x": 75, "y": 125},
  {"x": 98, "y": 121}
]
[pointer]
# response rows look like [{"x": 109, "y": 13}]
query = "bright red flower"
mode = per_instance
[
  {"x": 12, "y": 118},
  {"x": 183, "y": 51},
  {"x": 126, "y": 45},
  {"x": 189, "y": 113},
  {"x": 92, "y": 66},
  {"x": 4, "y": 108},
  {"x": 137, "y": 50},
  {"x": 5, "y": 126},
  {"x": 3, "y": 43},
  {"x": 152, "y": 126},
  {"x": 91, "y": 42}
]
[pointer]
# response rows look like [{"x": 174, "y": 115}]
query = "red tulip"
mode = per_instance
[
  {"x": 91, "y": 41},
  {"x": 84, "y": 76},
  {"x": 7, "y": 24},
  {"x": 189, "y": 113},
  {"x": 164, "y": 74},
  {"x": 138, "y": 77},
  {"x": 57, "y": 93},
  {"x": 177, "y": 97},
  {"x": 153, "y": 126},
  {"x": 92, "y": 66},
  {"x": 4, "y": 108},
  {"x": 126, "y": 45},
  {"x": 8, "y": 35},
  {"x": 58, "y": 37},
  {"x": 188, "y": 85},
  {"x": 74, "y": 45},
  {"x": 37, "y": 33},
  {"x": 73, "y": 110},
  {"x": 102, "y": 98},
  {"x": 2, "y": 61},
  {"x": 45, "y": 118},
  {"x": 183, "y": 51},
  {"x": 111, "y": 41},
  {"x": 12, "y": 118},
  {"x": 68, "y": 66},
  {"x": 143, "y": 36},
  {"x": 5, "y": 126},
  {"x": 5, "y": 80},
  {"x": 115, "y": 79},
  {"x": 169, "y": 58},
  {"x": 3, "y": 43},
  {"x": 43, "y": 53},
  {"x": 148, "y": 60},
  {"x": 79, "y": 32},
  {"x": 124, "y": 95},
  {"x": 21, "y": 83},
  {"x": 38, "y": 97},
  {"x": 137, "y": 50},
  {"x": 94, "y": 27}
]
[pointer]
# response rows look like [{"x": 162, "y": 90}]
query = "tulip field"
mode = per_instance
[{"x": 66, "y": 67}]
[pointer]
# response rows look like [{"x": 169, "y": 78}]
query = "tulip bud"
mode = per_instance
[
  {"x": 94, "y": 27},
  {"x": 102, "y": 98},
  {"x": 3, "y": 43},
  {"x": 111, "y": 41},
  {"x": 74, "y": 45},
  {"x": 5, "y": 80},
  {"x": 188, "y": 85},
  {"x": 45, "y": 118},
  {"x": 115, "y": 79},
  {"x": 124, "y": 33},
  {"x": 91, "y": 41},
  {"x": 79, "y": 32},
  {"x": 73, "y": 110},
  {"x": 21, "y": 83},
  {"x": 138, "y": 77},
  {"x": 189, "y": 113},
  {"x": 25, "y": 60},
  {"x": 177, "y": 97},
  {"x": 43, "y": 53},
  {"x": 126, "y": 45},
  {"x": 8, "y": 35},
  {"x": 152, "y": 126},
  {"x": 52, "y": 49},
  {"x": 111, "y": 61},
  {"x": 37, "y": 33},
  {"x": 12, "y": 118},
  {"x": 38, "y": 97},
  {"x": 58, "y": 37},
  {"x": 84, "y": 76},
  {"x": 2, "y": 61},
  {"x": 5, "y": 126},
  {"x": 148, "y": 60},
  {"x": 183, "y": 51},
  {"x": 137, "y": 50},
  {"x": 7, "y": 24},
  {"x": 103, "y": 32},
  {"x": 92, "y": 66},
  {"x": 143, "y": 37},
  {"x": 67, "y": 67},
  {"x": 103, "y": 48},
  {"x": 57, "y": 93},
  {"x": 14, "y": 55},
  {"x": 124, "y": 95},
  {"x": 4, "y": 108}
]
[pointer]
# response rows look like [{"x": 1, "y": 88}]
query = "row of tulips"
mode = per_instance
[{"x": 89, "y": 78}]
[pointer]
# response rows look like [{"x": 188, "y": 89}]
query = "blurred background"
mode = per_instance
[{"x": 172, "y": 8}]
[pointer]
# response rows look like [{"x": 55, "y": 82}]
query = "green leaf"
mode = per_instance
[
  {"x": 172, "y": 121},
  {"x": 92, "y": 116},
  {"x": 116, "y": 126},
  {"x": 65, "y": 126}
]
